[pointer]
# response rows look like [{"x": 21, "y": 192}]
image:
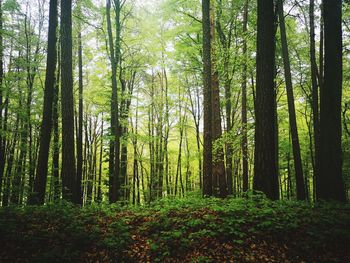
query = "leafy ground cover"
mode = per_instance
[{"x": 178, "y": 230}]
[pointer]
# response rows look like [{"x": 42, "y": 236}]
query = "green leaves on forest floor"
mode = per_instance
[{"x": 177, "y": 230}]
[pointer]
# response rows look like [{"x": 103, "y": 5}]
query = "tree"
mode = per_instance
[
  {"x": 315, "y": 92},
  {"x": 114, "y": 55},
  {"x": 2, "y": 136},
  {"x": 46, "y": 125},
  {"x": 244, "y": 144},
  {"x": 265, "y": 169},
  {"x": 207, "y": 102},
  {"x": 218, "y": 168},
  {"x": 80, "y": 115},
  {"x": 298, "y": 167},
  {"x": 331, "y": 185},
  {"x": 68, "y": 142}
]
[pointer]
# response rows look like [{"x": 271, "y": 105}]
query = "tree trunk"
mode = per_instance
[
  {"x": 38, "y": 196},
  {"x": 315, "y": 93},
  {"x": 2, "y": 135},
  {"x": 80, "y": 120},
  {"x": 207, "y": 102},
  {"x": 218, "y": 169},
  {"x": 68, "y": 144},
  {"x": 56, "y": 138},
  {"x": 114, "y": 53},
  {"x": 244, "y": 145},
  {"x": 331, "y": 184},
  {"x": 265, "y": 169},
  {"x": 99, "y": 183},
  {"x": 291, "y": 107},
  {"x": 10, "y": 160}
]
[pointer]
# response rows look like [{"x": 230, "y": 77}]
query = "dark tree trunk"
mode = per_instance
[
  {"x": 2, "y": 135},
  {"x": 114, "y": 53},
  {"x": 38, "y": 195},
  {"x": 80, "y": 123},
  {"x": 244, "y": 103},
  {"x": 218, "y": 169},
  {"x": 207, "y": 103},
  {"x": 56, "y": 138},
  {"x": 315, "y": 93},
  {"x": 265, "y": 170},
  {"x": 331, "y": 184},
  {"x": 99, "y": 184},
  {"x": 68, "y": 143},
  {"x": 298, "y": 167}
]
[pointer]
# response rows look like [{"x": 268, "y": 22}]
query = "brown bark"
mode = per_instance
[
  {"x": 244, "y": 144},
  {"x": 331, "y": 184},
  {"x": 46, "y": 125},
  {"x": 68, "y": 142},
  {"x": 207, "y": 103},
  {"x": 315, "y": 92},
  {"x": 218, "y": 169},
  {"x": 265, "y": 170}
]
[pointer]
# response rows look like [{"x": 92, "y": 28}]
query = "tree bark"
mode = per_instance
[
  {"x": 218, "y": 169},
  {"x": 315, "y": 93},
  {"x": 114, "y": 53},
  {"x": 80, "y": 118},
  {"x": 244, "y": 144},
  {"x": 2, "y": 134},
  {"x": 265, "y": 169},
  {"x": 331, "y": 184},
  {"x": 207, "y": 102},
  {"x": 38, "y": 196},
  {"x": 68, "y": 144}
]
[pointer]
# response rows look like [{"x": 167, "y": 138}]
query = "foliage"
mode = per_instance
[{"x": 204, "y": 230}]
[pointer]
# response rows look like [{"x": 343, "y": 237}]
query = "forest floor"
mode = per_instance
[{"x": 178, "y": 230}]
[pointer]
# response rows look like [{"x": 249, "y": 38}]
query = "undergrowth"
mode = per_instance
[{"x": 191, "y": 229}]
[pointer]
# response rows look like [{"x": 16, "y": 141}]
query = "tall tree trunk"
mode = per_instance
[
  {"x": 265, "y": 169},
  {"x": 218, "y": 172},
  {"x": 99, "y": 184},
  {"x": 167, "y": 131},
  {"x": 2, "y": 135},
  {"x": 80, "y": 115},
  {"x": 4, "y": 142},
  {"x": 315, "y": 92},
  {"x": 10, "y": 160},
  {"x": 298, "y": 167},
  {"x": 114, "y": 53},
  {"x": 207, "y": 102},
  {"x": 56, "y": 137},
  {"x": 244, "y": 144},
  {"x": 38, "y": 196},
  {"x": 68, "y": 144},
  {"x": 331, "y": 184}
]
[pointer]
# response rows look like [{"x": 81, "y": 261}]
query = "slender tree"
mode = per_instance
[
  {"x": 56, "y": 136},
  {"x": 298, "y": 167},
  {"x": 315, "y": 93},
  {"x": 2, "y": 135},
  {"x": 80, "y": 117},
  {"x": 244, "y": 143},
  {"x": 114, "y": 54}
]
